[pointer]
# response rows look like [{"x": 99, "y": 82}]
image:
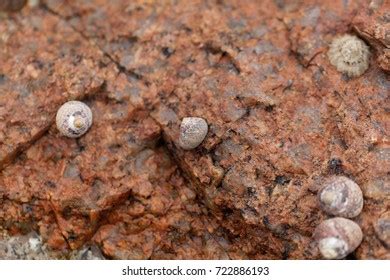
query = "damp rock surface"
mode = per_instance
[{"x": 281, "y": 119}]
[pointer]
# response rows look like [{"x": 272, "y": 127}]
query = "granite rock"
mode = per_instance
[{"x": 281, "y": 121}]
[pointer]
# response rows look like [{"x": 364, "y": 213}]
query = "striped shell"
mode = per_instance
[
  {"x": 73, "y": 119},
  {"x": 350, "y": 55}
]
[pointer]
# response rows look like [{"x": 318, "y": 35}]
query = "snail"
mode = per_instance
[
  {"x": 193, "y": 130},
  {"x": 341, "y": 196},
  {"x": 337, "y": 237},
  {"x": 73, "y": 119},
  {"x": 350, "y": 55},
  {"x": 12, "y": 5}
]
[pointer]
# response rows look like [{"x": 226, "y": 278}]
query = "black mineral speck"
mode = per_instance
[
  {"x": 2, "y": 78},
  {"x": 335, "y": 166},
  {"x": 167, "y": 52},
  {"x": 282, "y": 180}
]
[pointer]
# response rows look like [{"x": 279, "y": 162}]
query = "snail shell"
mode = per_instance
[
  {"x": 73, "y": 119},
  {"x": 350, "y": 55},
  {"x": 193, "y": 130},
  {"x": 342, "y": 197},
  {"x": 337, "y": 237}
]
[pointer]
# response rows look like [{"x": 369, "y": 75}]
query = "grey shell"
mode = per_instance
[
  {"x": 337, "y": 237},
  {"x": 193, "y": 130},
  {"x": 350, "y": 55},
  {"x": 341, "y": 196},
  {"x": 68, "y": 113}
]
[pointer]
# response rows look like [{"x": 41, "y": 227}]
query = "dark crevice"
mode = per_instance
[
  {"x": 297, "y": 56},
  {"x": 226, "y": 60},
  {"x": 121, "y": 68}
]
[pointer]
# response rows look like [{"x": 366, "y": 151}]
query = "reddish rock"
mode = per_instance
[
  {"x": 44, "y": 63},
  {"x": 373, "y": 24},
  {"x": 12, "y": 5},
  {"x": 281, "y": 120}
]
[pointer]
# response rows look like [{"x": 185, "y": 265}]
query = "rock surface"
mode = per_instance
[
  {"x": 281, "y": 120},
  {"x": 26, "y": 247},
  {"x": 43, "y": 64}
]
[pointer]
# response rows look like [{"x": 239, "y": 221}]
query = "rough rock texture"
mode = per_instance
[
  {"x": 24, "y": 247},
  {"x": 43, "y": 64},
  {"x": 31, "y": 247},
  {"x": 114, "y": 175},
  {"x": 374, "y": 26},
  {"x": 281, "y": 120}
]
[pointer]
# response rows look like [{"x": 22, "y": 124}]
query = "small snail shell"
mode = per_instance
[
  {"x": 350, "y": 55},
  {"x": 193, "y": 130},
  {"x": 337, "y": 237},
  {"x": 342, "y": 197},
  {"x": 73, "y": 119}
]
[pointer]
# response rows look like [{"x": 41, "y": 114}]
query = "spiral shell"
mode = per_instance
[
  {"x": 73, "y": 119},
  {"x": 337, "y": 237},
  {"x": 350, "y": 55},
  {"x": 342, "y": 197},
  {"x": 193, "y": 130}
]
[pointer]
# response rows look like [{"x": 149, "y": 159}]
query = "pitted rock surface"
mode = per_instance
[{"x": 281, "y": 120}]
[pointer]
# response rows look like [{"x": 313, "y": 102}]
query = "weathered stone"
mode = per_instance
[{"x": 281, "y": 119}]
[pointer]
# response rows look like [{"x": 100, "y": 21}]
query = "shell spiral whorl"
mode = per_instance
[
  {"x": 340, "y": 196},
  {"x": 73, "y": 119},
  {"x": 350, "y": 55},
  {"x": 337, "y": 237}
]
